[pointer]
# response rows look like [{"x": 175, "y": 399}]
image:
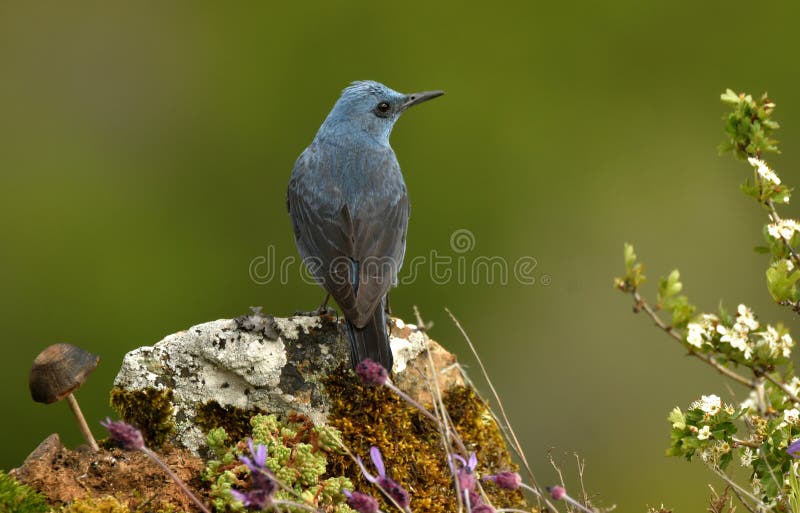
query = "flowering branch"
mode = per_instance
[
  {"x": 771, "y": 413},
  {"x": 640, "y": 304},
  {"x": 773, "y": 212}
]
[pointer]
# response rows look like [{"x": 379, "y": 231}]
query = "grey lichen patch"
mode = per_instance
[{"x": 252, "y": 364}]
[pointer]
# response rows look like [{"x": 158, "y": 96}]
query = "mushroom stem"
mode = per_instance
[{"x": 87, "y": 434}]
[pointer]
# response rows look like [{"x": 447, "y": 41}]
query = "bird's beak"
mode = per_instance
[{"x": 415, "y": 98}]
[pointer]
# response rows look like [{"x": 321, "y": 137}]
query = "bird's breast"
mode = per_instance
[{"x": 360, "y": 175}]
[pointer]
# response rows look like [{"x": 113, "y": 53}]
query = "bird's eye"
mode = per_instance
[{"x": 383, "y": 107}]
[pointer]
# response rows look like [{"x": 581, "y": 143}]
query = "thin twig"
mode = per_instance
[
  {"x": 778, "y": 484},
  {"x": 581, "y": 467},
  {"x": 641, "y": 304},
  {"x": 722, "y": 475},
  {"x": 783, "y": 386},
  {"x": 724, "y": 504},
  {"x": 744, "y": 443},
  {"x": 513, "y": 438},
  {"x": 556, "y": 467}
]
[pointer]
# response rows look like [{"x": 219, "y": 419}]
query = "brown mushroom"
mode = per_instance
[{"x": 58, "y": 371}]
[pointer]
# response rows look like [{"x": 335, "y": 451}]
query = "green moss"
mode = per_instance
[
  {"x": 235, "y": 421},
  {"x": 150, "y": 410},
  {"x": 16, "y": 497},
  {"x": 411, "y": 445},
  {"x": 473, "y": 421},
  {"x": 298, "y": 454},
  {"x": 90, "y": 505}
]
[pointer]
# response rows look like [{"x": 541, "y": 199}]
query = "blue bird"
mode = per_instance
[{"x": 349, "y": 208}]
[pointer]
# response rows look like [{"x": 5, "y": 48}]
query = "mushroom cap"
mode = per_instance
[{"x": 58, "y": 371}]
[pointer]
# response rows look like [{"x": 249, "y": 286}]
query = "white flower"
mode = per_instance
[
  {"x": 710, "y": 404},
  {"x": 696, "y": 335},
  {"x": 701, "y": 331},
  {"x": 779, "y": 345},
  {"x": 704, "y": 433},
  {"x": 746, "y": 319},
  {"x": 794, "y": 385},
  {"x": 787, "y": 346},
  {"x": 783, "y": 229},
  {"x": 747, "y": 457},
  {"x": 736, "y": 338},
  {"x": 764, "y": 171},
  {"x": 749, "y": 403},
  {"x": 791, "y": 416}
]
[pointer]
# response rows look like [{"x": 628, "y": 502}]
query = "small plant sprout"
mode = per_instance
[
  {"x": 56, "y": 373},
  {"x": 130, "y": 439},
  {"x": 396, "y": 493}
]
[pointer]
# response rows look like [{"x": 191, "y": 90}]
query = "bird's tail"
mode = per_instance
[{"x": 371, "y": 341}]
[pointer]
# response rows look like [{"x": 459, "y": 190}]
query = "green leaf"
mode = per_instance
[
  {"x": 677, "y": 418},
  {"x": 669, "y": 286},
  {"x": 729, "y": 97},
  {"x": 781, "y": 282},
  {"x": 634, "y": 272}
]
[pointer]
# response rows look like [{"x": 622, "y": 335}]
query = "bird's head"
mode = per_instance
[{"x": 373, "y": 108}]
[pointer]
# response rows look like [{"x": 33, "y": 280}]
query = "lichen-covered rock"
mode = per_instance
[{"x": 221, "y": 373}]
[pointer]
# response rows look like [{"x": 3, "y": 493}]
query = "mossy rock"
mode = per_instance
[
  {"x": 411, "y": 445},
  {"x": 16, "y": 497},
  {"x": 235, "y": 421},
  {"x": 149, "y": 410}
]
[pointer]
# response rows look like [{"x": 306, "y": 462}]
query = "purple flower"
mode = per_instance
[
  {"x": 256, "y": 498},
  {"x": 361, "y": 502},
  {"x": 371, "y": 372},
  {"x": 794, "y": 449},
  {"x": 483, "y": 508},
  {"x": 389, "y": 486},
  {"x": 557, "y": 492},
  {"x": 466, "y": 474},
  {"x": 262, "y": 486},
  {"x": 505, "y": 480},
  {"x": 124, "y": 434},
  {"x": 259, "y": 461}
]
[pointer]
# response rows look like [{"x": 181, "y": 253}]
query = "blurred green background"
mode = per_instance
[{"x": 145, "y": 149}]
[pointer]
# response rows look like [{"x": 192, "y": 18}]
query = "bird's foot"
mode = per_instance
[{"x": 322, "y": 311}]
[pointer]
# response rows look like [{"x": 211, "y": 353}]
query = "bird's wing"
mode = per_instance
[
  {"x": 380, "y": 242},
  {"x": 355, "y": 255},
  {"x": 323, "y": 231}
]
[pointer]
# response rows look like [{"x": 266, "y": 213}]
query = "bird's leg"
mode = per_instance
[
  {"x": 324, "y": 306},
  {"x": 388, "y": 310},
  {"x": 323, "y": 309}
]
